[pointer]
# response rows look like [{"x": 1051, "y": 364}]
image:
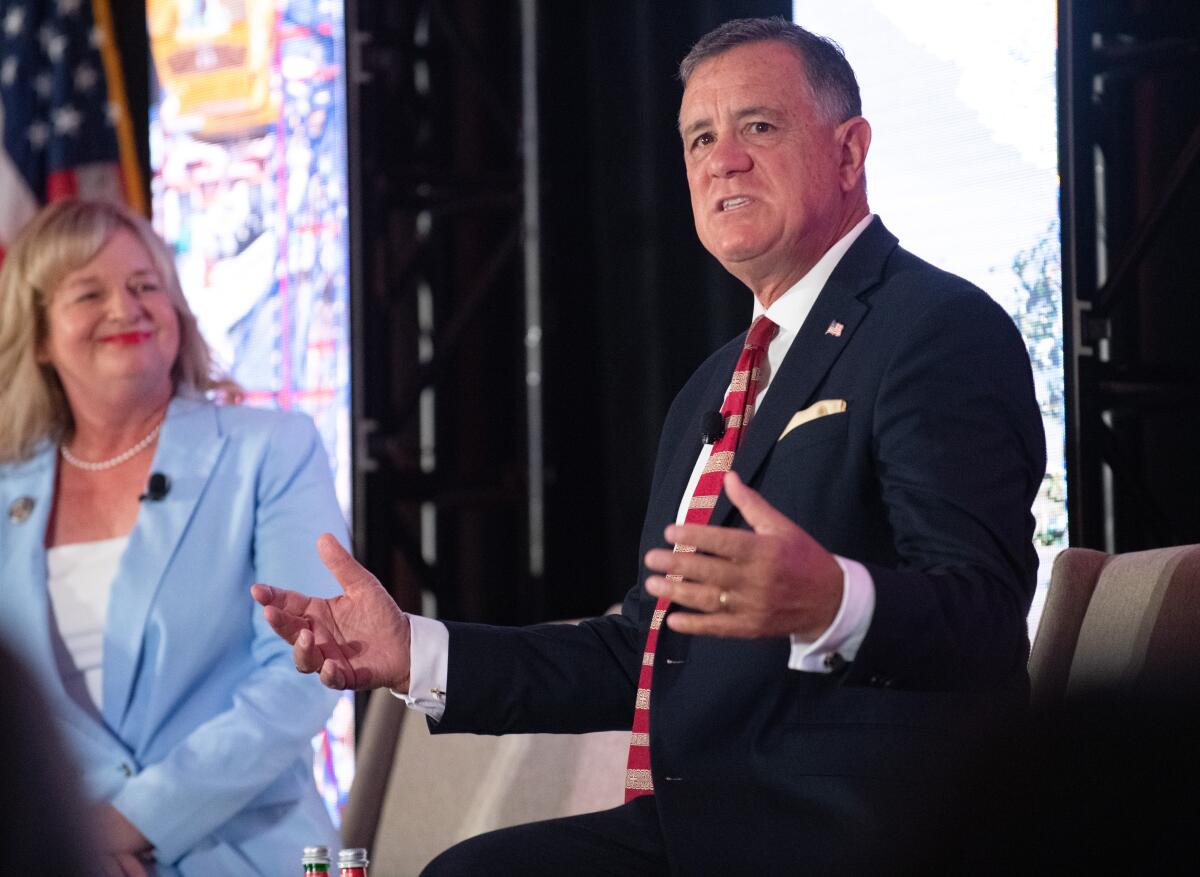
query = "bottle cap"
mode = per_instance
[
  {"x": 353, "y": 857},
  {"x": 315, "y": 856}
]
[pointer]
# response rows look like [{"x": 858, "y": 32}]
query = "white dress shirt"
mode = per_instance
[{"x": 430, "y": 643}]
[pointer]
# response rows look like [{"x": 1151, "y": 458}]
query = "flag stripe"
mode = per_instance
[{"x": 58, "y": 131}]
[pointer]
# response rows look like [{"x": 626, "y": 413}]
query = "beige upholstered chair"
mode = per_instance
[
  {"x": 1116, "y": 621},
  {"x": 415, "y": 794}
]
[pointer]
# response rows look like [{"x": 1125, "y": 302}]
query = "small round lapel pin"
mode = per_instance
[{"x": 21, "y": 509}]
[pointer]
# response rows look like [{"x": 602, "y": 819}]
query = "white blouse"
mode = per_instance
[{"x": 80, "y": 579}]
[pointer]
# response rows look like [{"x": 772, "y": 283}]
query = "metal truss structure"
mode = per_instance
[
  {"x": 445, "y": 237},
  {"x": 1130, "y": 159}
]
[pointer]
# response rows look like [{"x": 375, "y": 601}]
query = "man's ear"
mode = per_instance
[{"x": 854, "y": 135}]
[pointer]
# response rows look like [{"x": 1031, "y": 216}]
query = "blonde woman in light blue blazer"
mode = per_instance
[{"x": 186, "y": 717}]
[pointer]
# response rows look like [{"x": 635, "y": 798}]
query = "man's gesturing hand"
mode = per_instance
[
  {"x": 358, "y": 640},
  {"x": 771, "y": 580}
]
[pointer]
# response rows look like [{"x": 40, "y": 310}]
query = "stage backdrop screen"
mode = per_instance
[
  {"x": 248, "y": 152},
  {"x": 963, "y": 168}
]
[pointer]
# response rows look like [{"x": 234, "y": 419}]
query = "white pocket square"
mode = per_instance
[{"x": 812, "y": 412}]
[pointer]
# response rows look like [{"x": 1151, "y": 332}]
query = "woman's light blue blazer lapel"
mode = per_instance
[
  {"x": 25, "y": 599},
  {"x": 188, "y": 450}
]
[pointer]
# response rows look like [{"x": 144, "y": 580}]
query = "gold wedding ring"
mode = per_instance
[{"x": 723, "y": 600}]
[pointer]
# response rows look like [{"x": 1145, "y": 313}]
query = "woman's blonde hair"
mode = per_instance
[{"x": 61, "y": 238}]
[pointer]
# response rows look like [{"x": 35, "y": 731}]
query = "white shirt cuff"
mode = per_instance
[
  {"x": 839, "y": 644},
  {"x": 428, "y": 653}
]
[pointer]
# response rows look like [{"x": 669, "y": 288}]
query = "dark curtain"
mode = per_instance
[{"x": 632, "y": 302}]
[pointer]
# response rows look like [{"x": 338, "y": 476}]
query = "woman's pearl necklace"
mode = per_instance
[{"x": 115, "y": 461}]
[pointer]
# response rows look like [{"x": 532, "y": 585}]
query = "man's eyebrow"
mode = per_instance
[
  {"x": 760, "y": 110},
  {"x": 698, "y": 125}
]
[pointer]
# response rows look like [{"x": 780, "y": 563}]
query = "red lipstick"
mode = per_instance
[{"x": 128, "y": 338}]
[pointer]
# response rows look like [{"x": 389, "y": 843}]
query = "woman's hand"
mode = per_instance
[
  {"x": 123, "y": 865},
  {"x": 117, "y": 835}
]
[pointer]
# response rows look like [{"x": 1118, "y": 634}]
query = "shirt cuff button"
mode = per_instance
[{"x": 834, "y": 661}]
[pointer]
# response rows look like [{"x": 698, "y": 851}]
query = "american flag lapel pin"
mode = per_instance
[{"x": 835, "y": 329}]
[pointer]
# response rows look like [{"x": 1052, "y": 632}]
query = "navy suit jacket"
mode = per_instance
[{"x": 927, "y": 478}]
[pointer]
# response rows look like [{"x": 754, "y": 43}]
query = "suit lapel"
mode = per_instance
[
  {"x": 687, "y": 448},
  {"x": 813, "y": 352},
  {"x": 187, "y": 453}
]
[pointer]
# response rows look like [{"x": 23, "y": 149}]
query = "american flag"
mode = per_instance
[{"x": 57, "y": 72}]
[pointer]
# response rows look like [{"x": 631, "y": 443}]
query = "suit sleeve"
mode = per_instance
[
  {"x": 232, "y": 757},
  {"x": 960, "y": 455},
  {"x": 550, "y": 678}
]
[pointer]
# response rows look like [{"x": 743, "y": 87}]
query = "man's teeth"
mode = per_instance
[{"x": 733, "y": 203}]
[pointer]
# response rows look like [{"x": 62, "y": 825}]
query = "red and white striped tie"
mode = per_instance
[{"x": 737, "y": 410}]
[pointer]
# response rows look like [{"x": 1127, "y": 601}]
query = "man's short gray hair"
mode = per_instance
[{"x": 830, "y": 77}]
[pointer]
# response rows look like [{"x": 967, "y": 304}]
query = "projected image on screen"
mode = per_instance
[
  {"x": 963, "y": 168},
  {"x": 247, "y": 137},
  {"x": 248, "y": 152}
]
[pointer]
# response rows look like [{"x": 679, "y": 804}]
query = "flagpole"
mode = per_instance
[{"x": 131, "y": 172}]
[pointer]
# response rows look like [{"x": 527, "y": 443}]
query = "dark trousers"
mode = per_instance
[{"x": 625, "y": 840}]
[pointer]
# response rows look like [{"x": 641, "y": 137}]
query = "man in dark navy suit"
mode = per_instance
[{"x": 854, "y": 613}]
